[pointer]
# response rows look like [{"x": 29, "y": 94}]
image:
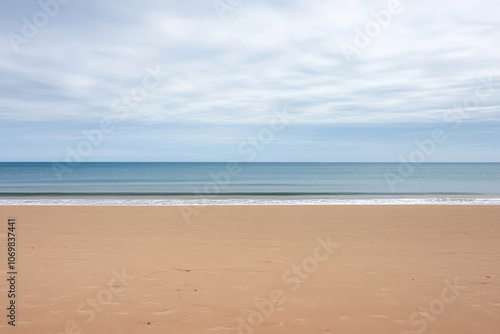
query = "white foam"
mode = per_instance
[{"x": 247, "y": 201}]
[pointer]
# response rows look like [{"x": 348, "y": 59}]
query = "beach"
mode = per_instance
[
  {"x": 254, "y": 269},
  {"x": 250, "y": 167}
]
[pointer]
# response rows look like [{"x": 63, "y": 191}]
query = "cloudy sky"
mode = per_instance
[{"x": 203, "y": 80}]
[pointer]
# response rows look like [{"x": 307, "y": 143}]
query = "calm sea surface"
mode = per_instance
[{"x": 249, "y": 183}]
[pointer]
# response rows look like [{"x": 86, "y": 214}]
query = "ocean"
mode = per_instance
[{"x": 193, "y": 183}]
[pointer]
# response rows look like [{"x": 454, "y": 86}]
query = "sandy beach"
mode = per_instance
[{"x": 254, "y": 269}]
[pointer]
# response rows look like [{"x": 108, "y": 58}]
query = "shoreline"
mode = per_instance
[{"x": 168, "y": 202}]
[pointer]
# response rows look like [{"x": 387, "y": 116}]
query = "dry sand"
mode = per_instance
[{"x": 233, "y": 267}]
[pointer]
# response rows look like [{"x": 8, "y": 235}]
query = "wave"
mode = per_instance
[
  {"x": 247, "y": 201},
  {"x": 229, "y": 194}
]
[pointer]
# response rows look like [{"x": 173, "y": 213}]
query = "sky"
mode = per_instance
[{"x": 240, "y": 80}]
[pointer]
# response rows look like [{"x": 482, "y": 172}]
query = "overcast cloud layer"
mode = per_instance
[{"x": 223, "y": 76}]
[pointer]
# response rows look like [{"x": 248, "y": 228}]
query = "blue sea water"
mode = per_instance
[{"x": 249, "y": 183}]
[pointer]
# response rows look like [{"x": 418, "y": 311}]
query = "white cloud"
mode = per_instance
[{"x": 262, "y": 56}]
